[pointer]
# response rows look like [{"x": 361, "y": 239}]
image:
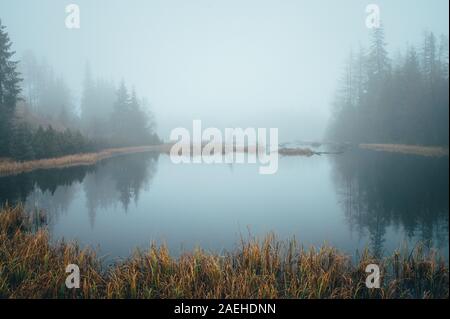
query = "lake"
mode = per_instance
[{"x": 350, "y": 201}]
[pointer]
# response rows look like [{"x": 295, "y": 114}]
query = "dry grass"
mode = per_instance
[
  {"x": 199, "y": 149},
  {"x": 32, "y": 268},
  {"x": 296, "y": 152},
  {"x": 8, "y": 167},
  {"x": 431, "y": 151}
]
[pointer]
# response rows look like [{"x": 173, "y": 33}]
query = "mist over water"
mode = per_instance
[{"x": 228, "y": 63}]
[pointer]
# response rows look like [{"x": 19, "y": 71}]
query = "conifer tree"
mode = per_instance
[
  {"x": 22, "y": 137},
  {"x": 406, "y": 101},
  {"x": 9, "y": 90}
]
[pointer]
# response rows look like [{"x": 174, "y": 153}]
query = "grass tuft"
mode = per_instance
[{"x": 30, "y": 267}]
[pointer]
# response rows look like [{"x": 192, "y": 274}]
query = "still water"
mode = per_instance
[{"x": 350, "y": 201}]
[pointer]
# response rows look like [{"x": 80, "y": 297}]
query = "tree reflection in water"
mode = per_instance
[
  {"x": 378, "y": 190},
  {"x": 119, "y": 179}
]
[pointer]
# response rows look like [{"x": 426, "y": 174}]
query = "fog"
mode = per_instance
[{"x": 231, "y": 63}]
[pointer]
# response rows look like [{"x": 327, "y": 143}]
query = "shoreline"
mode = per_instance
[
  {"x": 267, "y": 268},
  {"x": 428, "y": 151},
  {"x": 14, "y": 168},
  {"x": 8, "y": 168}
]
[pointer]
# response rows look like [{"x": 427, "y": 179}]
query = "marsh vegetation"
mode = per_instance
[{"x": 32, "y": 267}]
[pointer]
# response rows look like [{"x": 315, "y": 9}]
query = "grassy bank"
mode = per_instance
[
  {"x": 30, "y": 267},
  {"x": 432, "y": 151},
  {"x": 296, "y": 152},
  {"x": 8, "y": 167}
]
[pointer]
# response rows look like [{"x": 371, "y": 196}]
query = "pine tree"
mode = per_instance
[
  {"x": 88, "y": 103},
  {"x": 139, "y": 120},
  {"x": 378, "y": 60},
  {"x": 50, "y": 143},
  {"x": 38, "y": 142},
  {"x": 21, "y": 148},
  {"x": 9, "y": 90},
  {"x": 120, "y": 116},
  {"x": 32, "y": 79},
  {"x": 376, "y": 109},
  {"x": 88, "y": 88},
  {"x": 443, "y": 57},
  {"x": 430, "y": 60},
  {"x": 402, "y": 102}
]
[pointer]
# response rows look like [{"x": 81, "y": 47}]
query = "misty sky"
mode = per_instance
[{"x": 230, "y": 63}]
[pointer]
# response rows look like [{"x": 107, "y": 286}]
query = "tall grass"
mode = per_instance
[
  {"x": 8, "y": 167},
  {"x": 429, "y": 151},
  {"x": 30, "y": 267},
  {"x": 296, "y": 152}
]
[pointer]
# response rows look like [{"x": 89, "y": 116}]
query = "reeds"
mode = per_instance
[
  {"x": 430, "y": 151},
  {"x": 296, "y": 152},
  {"x": 12, "y": 167},
  {"x": 30, "y": 267}
]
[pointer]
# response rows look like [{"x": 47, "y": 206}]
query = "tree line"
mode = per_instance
[
  {"x": 49, "y": 123},
  {"x": 116, "y": 117},
  {"x": 29, "y": 144},
  {"x": 401, "y": 100}
]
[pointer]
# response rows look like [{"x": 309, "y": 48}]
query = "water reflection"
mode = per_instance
[
  {"x": 119, "y": 203},
  {"x": 379, "y": 190},
  {"x": 118, "y": 179}
]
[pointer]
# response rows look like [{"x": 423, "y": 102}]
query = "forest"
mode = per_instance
[
  {"x": 402, "y": 100},
  {"x": 39, "y": 118}
]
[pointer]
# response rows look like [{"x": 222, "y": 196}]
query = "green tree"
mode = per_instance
[
  {"x": 405, "y": 101},
  {"x": 375, "y": 110},
  {"x": 21, "y": 140},
  {"x": 378, "y": 59},
  {"x": 132, "y": 125},
  {"x": 39, "y": 146},
  {"x": 9, "y": 90},
  {"x": 119, "y": 117}
]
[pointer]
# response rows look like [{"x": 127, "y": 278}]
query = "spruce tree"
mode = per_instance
[
  {"x": 378, "y": 60},
  {"x": 404, "y": 102},
  {"x": 9, "y": 91},
  {"x": 22, "y": 137},
  {"x": 39, "y": 146},
  {"x": 119, "y": 118}
]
